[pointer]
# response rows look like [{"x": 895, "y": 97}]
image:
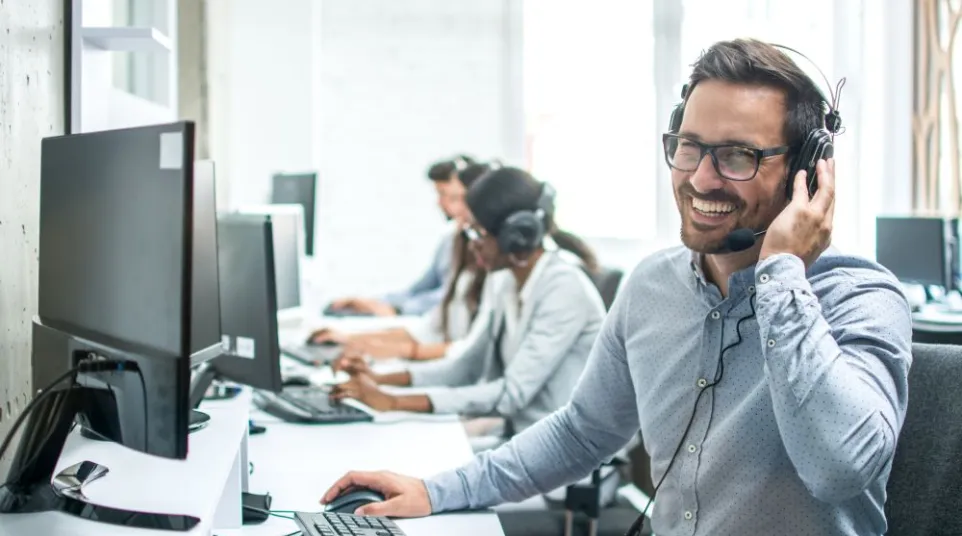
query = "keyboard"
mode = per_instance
[
  {"x": 332, "y": 524},
  {"x": 310, "y": 405},
  {"x": 311, "y": 355}
]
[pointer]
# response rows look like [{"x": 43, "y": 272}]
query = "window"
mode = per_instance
[
  {"x": 122, "y": 63},
  {"x": 589, "y": 111}
]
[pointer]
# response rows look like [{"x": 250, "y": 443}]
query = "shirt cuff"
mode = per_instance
[
  {"x": 444, "y": 400},
  {"x": 781, "y": 271},
  {"x": 446, "y": 491}
]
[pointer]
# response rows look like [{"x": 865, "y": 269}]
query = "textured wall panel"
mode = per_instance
[{"x": 31, "y": 107}]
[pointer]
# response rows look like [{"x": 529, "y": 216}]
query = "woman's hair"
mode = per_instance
[
  {"x": 463, "y": 259},
  {"x": 505, "y": 191}
]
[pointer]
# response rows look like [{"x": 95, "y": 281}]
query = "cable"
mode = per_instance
[
  {"x": 275, "y": 513},
  {"x": 720, "y": 371},
  {"x": 83, "y": 366}
]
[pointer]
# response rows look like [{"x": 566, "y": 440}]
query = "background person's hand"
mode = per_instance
[
  {"x": 364, "y": 389},
  {"x": 352, "y": 364},
  {"x": 404, "y": 496},
  {"x": 328, "y": 335}
]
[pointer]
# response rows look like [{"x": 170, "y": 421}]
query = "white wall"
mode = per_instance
[{"x": 369, "y": 92}]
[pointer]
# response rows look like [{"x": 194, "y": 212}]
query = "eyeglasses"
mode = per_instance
[{"x": 733, "y": 162}]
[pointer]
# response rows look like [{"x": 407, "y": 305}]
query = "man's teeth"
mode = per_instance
[{"x": 712, "y": 207}]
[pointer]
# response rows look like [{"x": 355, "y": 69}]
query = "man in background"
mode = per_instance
[{"x": 429, "y": 289}]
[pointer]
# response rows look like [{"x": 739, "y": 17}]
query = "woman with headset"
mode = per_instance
[
  {"x": 524, "y": 355},
  {"x": 445, "y": 324}
]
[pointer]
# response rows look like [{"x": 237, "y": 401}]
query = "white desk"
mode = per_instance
[
  {"x": 196, "y": 486},
  {"x": 297, "y": 463}
]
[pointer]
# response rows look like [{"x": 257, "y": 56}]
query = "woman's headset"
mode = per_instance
[
  {"x": 817, "y": 145},
  {"x": 523, "y": 231}
]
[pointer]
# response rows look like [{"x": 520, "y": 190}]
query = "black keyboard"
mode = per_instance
[
  {"x": 308, "y": 405},
  {"x": 331, "y": 524}
]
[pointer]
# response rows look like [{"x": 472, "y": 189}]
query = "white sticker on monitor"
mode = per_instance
[
  {"x": 245, "y": 347},
  {"x": 171, "y": 150}
]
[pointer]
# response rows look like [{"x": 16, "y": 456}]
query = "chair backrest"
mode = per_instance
[
  {"x": 607, "y": 281},
  {"x": 925, "y": 487}
]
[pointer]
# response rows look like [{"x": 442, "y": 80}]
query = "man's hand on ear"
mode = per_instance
[{"x": 804, "y": 228}]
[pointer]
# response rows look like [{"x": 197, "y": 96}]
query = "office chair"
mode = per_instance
[
  {"x": 925, "y": 486},
  {"x": 607, "y": 280}
]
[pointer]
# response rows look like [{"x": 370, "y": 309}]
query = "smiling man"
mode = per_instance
[{"x": 770, "y": 383}]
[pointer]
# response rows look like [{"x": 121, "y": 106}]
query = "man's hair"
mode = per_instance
[
  {"x": 442, "y": 171},
  {"x": 753, "y": 62}
]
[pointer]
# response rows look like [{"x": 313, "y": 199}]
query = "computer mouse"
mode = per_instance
[
  {"x": 296, "y": 381},
  {"x": 347, "y": 503}
]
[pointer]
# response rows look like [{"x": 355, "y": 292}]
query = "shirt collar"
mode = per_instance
[
  {"x": 739, "y": 281},
  {"x": 536, "y": 274}
]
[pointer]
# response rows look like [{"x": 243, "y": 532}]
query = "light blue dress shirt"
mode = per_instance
[{"x": 796, "y": 439}]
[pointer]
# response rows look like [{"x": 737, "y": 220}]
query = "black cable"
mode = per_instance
[
  {"x": 636, "y": 526},
  {"x": 275, "y": 513},
  {"x": 83, "y": 366}
]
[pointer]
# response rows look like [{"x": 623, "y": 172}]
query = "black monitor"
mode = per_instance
[
  {"x": 301, "y": 189},
  {"x": 114, "y": 317},
  {"x": 248, "y": 307},
  {"x": 916, "y": 249},
  {"x": 205, "y": 331},
  {"x": 286, "y": 223}
]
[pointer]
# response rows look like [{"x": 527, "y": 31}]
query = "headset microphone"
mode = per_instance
[{"x": 741, "y": 239}]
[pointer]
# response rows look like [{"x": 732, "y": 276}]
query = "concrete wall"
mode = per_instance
[{"x": 31, "y": 107}]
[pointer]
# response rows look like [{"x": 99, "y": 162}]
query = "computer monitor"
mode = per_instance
[
  {"x": 205, "y": 333},
  {"x": 288, "y": 244},
  {"x": 301, "y": 189},
  {"x": 114, "y": 317},
  {"x": 248, "y": 305},
  {"x": 916, "y": 249}
]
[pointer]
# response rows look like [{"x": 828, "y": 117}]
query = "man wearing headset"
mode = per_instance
[{"x": 768, "y": 372}]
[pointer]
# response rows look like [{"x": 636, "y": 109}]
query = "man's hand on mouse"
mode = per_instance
[
  {"x": 363, "y": 388},
  {"x": 404, "y": 496}
]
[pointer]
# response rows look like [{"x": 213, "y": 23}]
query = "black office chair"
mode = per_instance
[
  {"x": 925, "y": 487},
  {"x": 607, "y": 280}
]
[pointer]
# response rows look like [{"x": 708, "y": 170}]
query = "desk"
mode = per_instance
[
  {"x": 936, "y": 327},
  {"x": 297, "y": 463}
]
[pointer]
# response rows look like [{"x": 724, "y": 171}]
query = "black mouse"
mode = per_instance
[
  {"x": 296, "y": 381},
  {"x": 347, "y": 503}
]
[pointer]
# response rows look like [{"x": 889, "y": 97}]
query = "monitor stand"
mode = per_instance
[{"x": 32, "y": 486}]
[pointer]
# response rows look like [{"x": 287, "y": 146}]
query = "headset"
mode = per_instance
[
  {"x": 817, "y": 145},
  {"x": 523, "y": 231}
]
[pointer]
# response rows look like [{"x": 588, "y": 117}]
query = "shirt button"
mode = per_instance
[
  {"x": 692, "y": 448},
  {"x": 771, "y": 343},
  {"x": 764, "y": 278},
  {"x": 751, "y": 289},
  {"x": 715, "y": 315},
  {"x": 702, "y": 382},
  {"x": 689, "y": 515}
]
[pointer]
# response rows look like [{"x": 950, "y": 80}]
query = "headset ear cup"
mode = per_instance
[
  {"x": 522, "y": 232},
  {"x": 677, "y": 114},
  {"x": 817, "y": 145}
]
